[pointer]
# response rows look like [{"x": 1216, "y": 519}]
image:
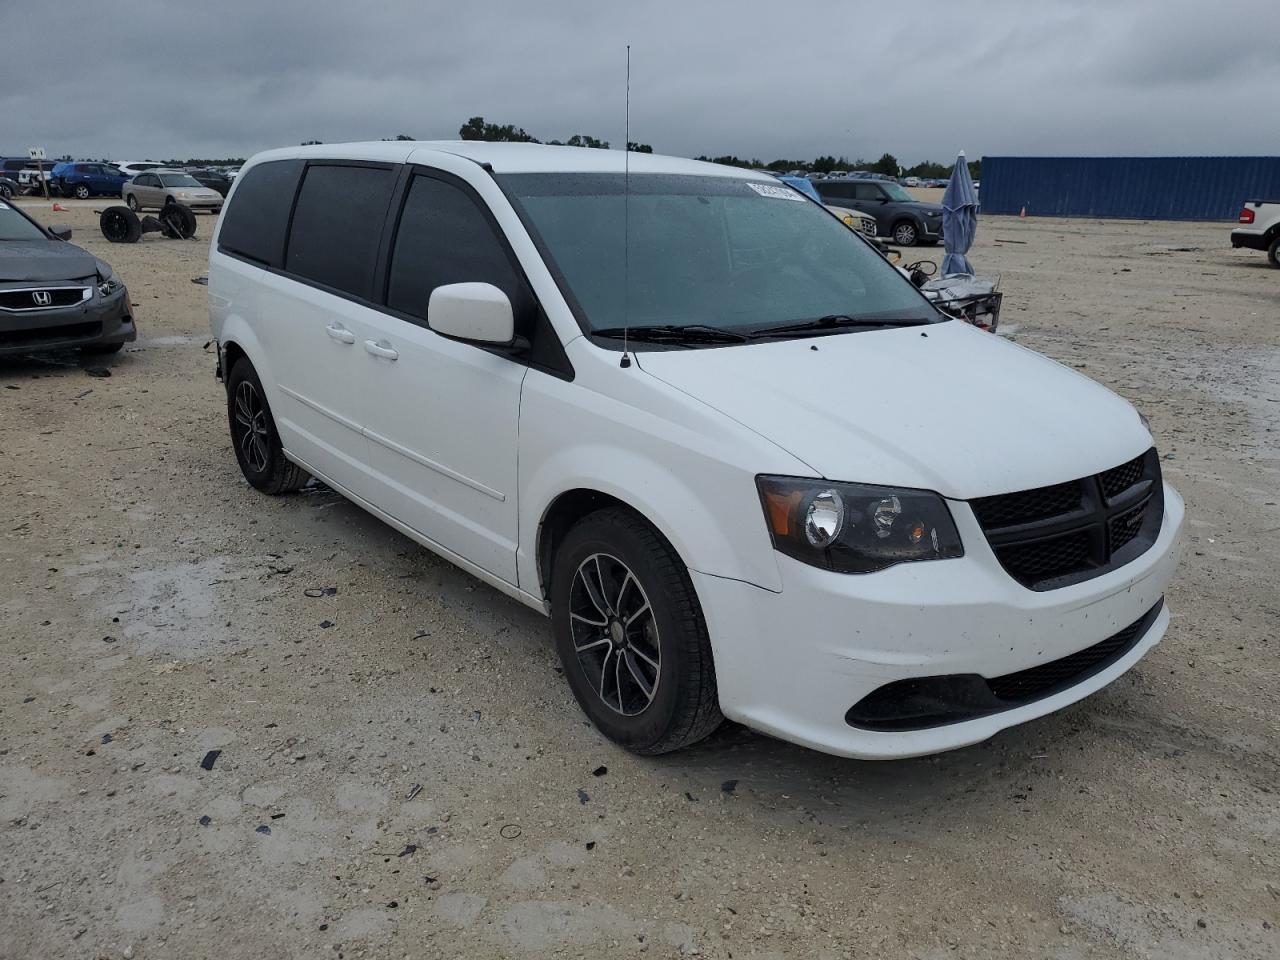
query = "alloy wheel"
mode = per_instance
[
  {"x": 615, "y": 635},
  {"x": 905, "y": 234},
  {"x": 251, "y": 424}
]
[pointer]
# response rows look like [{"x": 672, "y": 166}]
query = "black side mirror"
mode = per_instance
[{"x": 60, "y": 231}]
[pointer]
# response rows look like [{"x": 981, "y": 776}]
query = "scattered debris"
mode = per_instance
[
  {"x": 326, "y": 624},
  {"x": 314, "y": 592},
  {"x": 599, "y": 771},
  {"x": 409, "y": 850},
  {"x": 82, "y": 394},
  {"x": 582, "y": 796},
  {"x": 107, "y": 738},
  {"x": 209, "y": 758},
  {"x": 108, "y": 639},
  {"x": 28, "y": 699},
  {"x": 1003, "y": 240},
  {"x": 413, "y": 791},
  {"x": 729, "y": 786},
  {"x": 203, "y": 281},
  {"x": 277, "y": 816},
  {"x": 264, "y": 829},
  {"x": 205, "y": 820},
  {"x": 510, "y": 831},
  {"x": 690, "y": 797},
  {"x": 393, "y": 904},
  {"x": 420, "y": 634},
  {"x": 590, "y": 844},
  {"x": 97, "y": 371}
]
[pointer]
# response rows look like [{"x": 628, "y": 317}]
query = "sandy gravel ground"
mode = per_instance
[{"x": 155, "y": 609}]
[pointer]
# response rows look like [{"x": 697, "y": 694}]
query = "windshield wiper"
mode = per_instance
[
  {"x": 834, "y": 321},
  {"x": 675, "y": 333}
]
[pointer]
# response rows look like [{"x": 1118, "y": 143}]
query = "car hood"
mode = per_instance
[
  {"x": 44, "y": 260},
  {"x": 945, "y": 407}
]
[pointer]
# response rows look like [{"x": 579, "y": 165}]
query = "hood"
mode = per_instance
[
  {"x": 44, "y": 260},
  {"x": 925, "y": 207},
  {"x": 945, "y": 407}
]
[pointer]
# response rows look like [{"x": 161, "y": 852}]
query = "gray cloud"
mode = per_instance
[{"x": 151, "y": 78}]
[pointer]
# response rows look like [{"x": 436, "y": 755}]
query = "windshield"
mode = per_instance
[
  {"x": 730, "y": 253},
  {"x": 14, "y": 226},
  {"x": 896, "y": 192},
  {"x": 178, "y": 180}
]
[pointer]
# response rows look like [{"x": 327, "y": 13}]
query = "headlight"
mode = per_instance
[
  {"x": 181, "y": 194},
  {"x": 109, "y": 286},
  {"x": 856, "y": 528}
]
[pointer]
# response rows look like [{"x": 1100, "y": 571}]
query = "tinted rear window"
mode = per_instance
[
  {"x": 257, "y": 218},
  {"x": 337, "y": 225}
]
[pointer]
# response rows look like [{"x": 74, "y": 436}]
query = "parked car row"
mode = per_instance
[{"x": 83, "y": 179}]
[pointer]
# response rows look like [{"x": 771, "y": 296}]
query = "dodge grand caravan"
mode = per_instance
[{"x": 704, "y": 426}]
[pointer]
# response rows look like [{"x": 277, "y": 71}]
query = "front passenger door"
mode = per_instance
[{"x": 442, "y": 416}]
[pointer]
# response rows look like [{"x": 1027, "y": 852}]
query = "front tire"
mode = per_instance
[
  {"x": 82, "y": 191},
  {"x": 254, "y": 436},
  {"x": 631, "y": 635},
  {"x": 905, "y": 233}
]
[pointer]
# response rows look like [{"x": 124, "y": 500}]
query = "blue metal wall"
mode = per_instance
[{"x": 1137, "y": 188}]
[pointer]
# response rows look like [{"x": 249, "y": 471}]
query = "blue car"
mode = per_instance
[{"x": 83, "y": 179}]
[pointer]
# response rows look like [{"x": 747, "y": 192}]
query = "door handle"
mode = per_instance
[
  {"x": 382, "y": 349},
  {"x": 339, "y": 332}
]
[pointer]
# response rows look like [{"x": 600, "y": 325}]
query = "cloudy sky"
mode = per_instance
[{"x": 134, "y": 79}]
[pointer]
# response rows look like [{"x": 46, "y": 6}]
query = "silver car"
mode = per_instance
[{"x": 153, "y": 189}]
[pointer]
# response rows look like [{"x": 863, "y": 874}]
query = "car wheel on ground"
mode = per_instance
[
  {"x": 6, "y": 192},
  {"x": 82, "y": 191},
  {"x": 120, "y": 225},
  {"x": 631, "y": 635},
  {"x": 905, "y": 233},
  {"x": 132, "y": 202},
  {"x": 254, "y": 436},
  {"x": 1273, "y": 252},
  {"x": 179, "y": 220}
]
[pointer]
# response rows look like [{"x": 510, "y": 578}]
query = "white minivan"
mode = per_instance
[{"x": 745, "y": 467}]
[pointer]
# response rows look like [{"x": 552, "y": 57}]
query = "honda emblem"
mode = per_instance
[{"x": 42, "y": 297}]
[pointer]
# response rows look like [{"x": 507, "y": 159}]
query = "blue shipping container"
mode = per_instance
[{"x": 1135, "y": 188}]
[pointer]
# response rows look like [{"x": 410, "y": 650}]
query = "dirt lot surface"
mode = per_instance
[{"x": 156, "y": 609}]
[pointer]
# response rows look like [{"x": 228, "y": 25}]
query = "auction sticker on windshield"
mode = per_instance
[{"x": 775, "y": 191}]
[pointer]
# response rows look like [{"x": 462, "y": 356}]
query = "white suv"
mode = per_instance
[{"x": 740, "y": 461}]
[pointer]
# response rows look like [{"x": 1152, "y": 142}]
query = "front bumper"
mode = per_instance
[
  {"x": 792, "y": 664},
  {"x": 99, "y": 321},
  {"x": 931, "y": 227},
  {"x": 1246, "y": 238}
]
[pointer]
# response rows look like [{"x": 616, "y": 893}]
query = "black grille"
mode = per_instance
[
  {"x": 1054, "y": 536},
  {"x": 32, "y": 299},
  {"x": 1027, "y": 505},
  {"x": 50, "y": 335},
  {"x": 917, "y": 703},
  {"x": 1119, "y": 479}
]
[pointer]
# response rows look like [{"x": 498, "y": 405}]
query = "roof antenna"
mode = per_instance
[{"x": 626, "y": 223}]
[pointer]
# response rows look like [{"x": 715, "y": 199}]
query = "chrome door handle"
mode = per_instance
[
  {"x": 339, "y": 332},
  {"x": 382, "y": 349}
]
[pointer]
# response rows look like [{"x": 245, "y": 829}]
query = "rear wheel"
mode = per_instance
[
  {"x": 905, "y": 233},
  {"x": 254, "y": 437},
  {"x": 82, "y": 191},
  {"x": 1273, "y": 252},
  {"x": 631, "y": 636},
  {"x": 132, "y": 201}
]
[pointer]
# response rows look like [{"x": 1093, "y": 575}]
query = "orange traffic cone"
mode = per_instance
[
  {"x": 59, "y": 208},
  {"x": 1023, "y": 214}
]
